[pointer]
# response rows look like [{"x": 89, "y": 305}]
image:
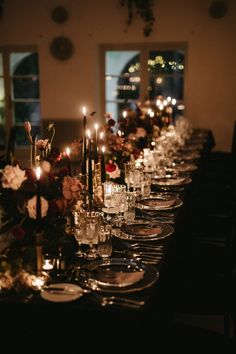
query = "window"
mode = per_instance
[
  {"x": 19, "y": 92},
  {"x": 136, "y": 73}
]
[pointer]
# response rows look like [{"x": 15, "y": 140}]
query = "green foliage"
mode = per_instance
[{"x": 143, "y": 8}]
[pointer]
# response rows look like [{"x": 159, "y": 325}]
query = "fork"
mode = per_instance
[
  {"x": 146, "y": 246},
  {"x": 120, "y": 301}
]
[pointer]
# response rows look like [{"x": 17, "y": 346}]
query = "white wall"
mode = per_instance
[{"x": 68, "y": 85}]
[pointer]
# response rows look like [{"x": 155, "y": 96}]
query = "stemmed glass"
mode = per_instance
[
  {"x": 119, "y": 201},
  {"x": 78, "y": 231},
  {"x": 91, "y": 228}
]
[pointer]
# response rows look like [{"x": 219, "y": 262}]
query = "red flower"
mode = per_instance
[{"x": 111, "y": 167}]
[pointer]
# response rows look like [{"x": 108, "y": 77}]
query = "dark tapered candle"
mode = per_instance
[
  {"x": 90, "y": 167},
  {"x": 84, "y": 161},
  {"x": 38, "y": 198},
  {"x": 103, "y": 167},
  {"x": 95, "y": 144}
]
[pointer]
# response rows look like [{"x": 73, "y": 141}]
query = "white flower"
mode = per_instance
[
  {"x": 31, "y": 206},
  {"x": 71, "y": 188},
  {"x": 13, "y": 177},
  {"x": 46, "y": 166}
]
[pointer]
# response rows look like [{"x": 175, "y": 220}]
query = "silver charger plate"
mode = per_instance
[
  {"x": 141, "y": 205},
  {"x": 186, "y": 167},
  {"x": 99, "y": 275},
  {"x": 187, "y": 156},
  {"x": 164, "y": 230},
  {"x": 172, "y": 182}
]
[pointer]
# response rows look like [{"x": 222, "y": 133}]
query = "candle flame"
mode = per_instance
[
  {"x": 88, "y": 134},
  {"x": 124, "y": 114},
  {"x": 68, "y": 151},
  {"x": 96, "y": 126},
  {"x": 84, "y": 111},
  {"x": 103, "y": 149},
  {"x": 101, "y": 135},
  {"x": 38, "y": 172}
]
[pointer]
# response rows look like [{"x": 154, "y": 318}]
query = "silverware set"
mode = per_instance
[{"x": 117, "y": 301}]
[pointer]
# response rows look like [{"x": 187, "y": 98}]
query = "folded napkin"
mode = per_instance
[
  {"x": 109, "y": 277},
  {"x": 141, "y": 229},
  {"x": 160, "y": 203}
]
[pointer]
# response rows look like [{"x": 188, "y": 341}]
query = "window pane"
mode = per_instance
[
  {"x": 122, "y": 80},
  {"x": 166, "y": 71},
  {"x": 1, "y": 65},
  {"x": 21, "y": 138},
  {"x": 26, "y": 88},
  {"x": 120, "y": 62},
  {"x": 122, "y": 88},
  {"x": 166, "y": 86},
  {"x": 167, "y": 62},
  {"x": 27, "y": 111},
  {"x": 24, "y": 64}
]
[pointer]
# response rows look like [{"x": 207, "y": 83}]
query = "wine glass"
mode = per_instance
[
  {"x": 105, "y": 241},
  {"x": 91, "y": 228},
  {"x": 78, "y": 231}
]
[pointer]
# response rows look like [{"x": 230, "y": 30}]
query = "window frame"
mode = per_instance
[
  {"x": 144, "y": 49},
  {"x": 6, "y": 50}
]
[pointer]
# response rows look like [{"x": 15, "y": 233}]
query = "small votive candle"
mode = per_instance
[{"x": 48, "y": 264}]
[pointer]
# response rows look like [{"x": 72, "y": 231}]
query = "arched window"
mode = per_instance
[
  {"x": 20, "y": 92},
  {"x": 135, "y": 73}
]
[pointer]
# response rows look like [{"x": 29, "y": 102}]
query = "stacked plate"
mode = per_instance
[
  {"x": 144, "y": 230},
  {"x": 119, "y": 275},
  {"x": 172, "y": 182},
  {"x": 159, "y": 203}
]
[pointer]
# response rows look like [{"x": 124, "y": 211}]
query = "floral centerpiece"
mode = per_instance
[{"x": 20, "y": 190}]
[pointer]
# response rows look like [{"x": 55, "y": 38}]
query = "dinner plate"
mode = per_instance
[
  {"x": 169, "y": 182},
  {"x": 185, "y": 167},
  {"x": 187, "y": 156},
  {"x": 156, "y": 203},
  {"x": 143, "y": 204},
  {"x": 62, "y": 292},
  {"x": 119, "y": 275},
  {"x": 143, "y": 230}
]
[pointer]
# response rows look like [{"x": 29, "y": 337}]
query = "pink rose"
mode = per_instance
[
  {"x": 31, "y": 206},
  {"x": 13, "y": 177},
  {"x": 71, "y": 188}
]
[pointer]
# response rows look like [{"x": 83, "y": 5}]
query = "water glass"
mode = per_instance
[
  {"x": 129, "y": 213},
  {"x": 146, "y": 185},
  {"x": 104, "y": 247}
]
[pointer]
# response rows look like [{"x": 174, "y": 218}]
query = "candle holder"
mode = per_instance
[
  {"x": 48, "y": 262},
  {"x": 39, "y": 251}
]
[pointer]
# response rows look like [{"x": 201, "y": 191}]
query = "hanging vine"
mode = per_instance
[{"x": 143, "y": 8}]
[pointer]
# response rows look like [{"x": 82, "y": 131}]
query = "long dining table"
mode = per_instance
[{"x": 30, "y": 323}]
